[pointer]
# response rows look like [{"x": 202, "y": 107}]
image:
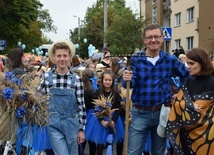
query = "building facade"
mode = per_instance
[{"x": 191, "y": 21}]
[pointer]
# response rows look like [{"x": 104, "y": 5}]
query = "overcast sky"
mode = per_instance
[{"x": 62, "y": 12}]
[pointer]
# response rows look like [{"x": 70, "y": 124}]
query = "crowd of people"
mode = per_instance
[{"x": 172, "y": 100}]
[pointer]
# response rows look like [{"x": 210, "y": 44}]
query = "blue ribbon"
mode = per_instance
[
  {"x": 109, "y": 140},
  {"x": 94, "y": 83},
  {"x": 176, "y": 81}
]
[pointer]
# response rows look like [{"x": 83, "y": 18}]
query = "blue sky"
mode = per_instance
[{"x": 62, "y": 12}]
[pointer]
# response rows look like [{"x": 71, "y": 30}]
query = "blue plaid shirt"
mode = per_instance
[{"x": 151, "y": 83}]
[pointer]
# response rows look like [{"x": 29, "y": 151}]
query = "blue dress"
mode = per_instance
[{"x": 97, "y": 133}]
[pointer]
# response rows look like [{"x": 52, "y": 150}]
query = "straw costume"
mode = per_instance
[{"x": 22, "y": 108}]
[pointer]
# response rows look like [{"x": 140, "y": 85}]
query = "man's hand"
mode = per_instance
[
  {"x": 127, "y": 75},
  {"x": 80, "y": 137},
  {"x": 198, "y": 108}
]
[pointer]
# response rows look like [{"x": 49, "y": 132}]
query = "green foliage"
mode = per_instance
[
  {"x": 123, "y": 32},
  {"x": 23, "y": 21}
]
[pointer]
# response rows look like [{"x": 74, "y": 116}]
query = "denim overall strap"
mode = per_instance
[
  {"x": 63, "y": 102},
  {"x": 50, "y": 78},
  {"x": 64, "y": 122}
]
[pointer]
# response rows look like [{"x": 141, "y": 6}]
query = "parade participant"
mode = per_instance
[
  {"x": 91, "y": 66},
  {"x": 90, "y": 86},
  {"x": 101, "y": 127},
  {"x": 1, "y": 65},
  {"x": 106, "y": 61},
  {"x": 67, "y": 107},
  {"x": 190, "y": 124},
  {"x": 26, "y": 118},
  {"x": 150, "y": 78},
  {"x": 16, "y": 62}
]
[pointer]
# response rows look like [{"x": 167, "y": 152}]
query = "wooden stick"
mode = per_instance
[{"x": 128, "y": 103}]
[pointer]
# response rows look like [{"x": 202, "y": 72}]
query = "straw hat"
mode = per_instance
[
  {"x": 69, "y": 43},
  {"x": 100, "y": 66}
]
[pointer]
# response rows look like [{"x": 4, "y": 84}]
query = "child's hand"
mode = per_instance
[
  {"x": 112, "y": 124},
  {"x": 105, "y": 123}
]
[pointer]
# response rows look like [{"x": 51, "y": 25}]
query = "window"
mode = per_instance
[
  {"x": 178, "y": 19},
  {"x": 190, "y": 43},
  {"x": 190, "y": 15},
  {"x": 177, "y": 43}
]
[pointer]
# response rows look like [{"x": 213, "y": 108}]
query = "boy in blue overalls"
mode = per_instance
[{"x": 66, "y": 103}]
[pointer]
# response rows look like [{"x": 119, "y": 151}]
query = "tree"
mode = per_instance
[
  {"x": 22, "y": 21},
  {"x": 123, "y": 32}
]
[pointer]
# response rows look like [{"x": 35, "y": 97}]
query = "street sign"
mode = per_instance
[
  {"x": 2, "y": 44},
  {"x": 167, "y": 33}
]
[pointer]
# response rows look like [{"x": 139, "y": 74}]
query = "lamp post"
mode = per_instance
[
  {"x": 105, "y": 22},
  {"x": 78, "y": 27}
]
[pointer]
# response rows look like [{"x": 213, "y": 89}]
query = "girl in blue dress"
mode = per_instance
[{"x": 101, "y": 127}]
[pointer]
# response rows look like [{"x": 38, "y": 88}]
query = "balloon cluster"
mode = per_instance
[
  {"x": 91, "y": 50},
  {"x": 39, "y": 51},
  {"x": 23, "y": 46},
  {"x": 77, "y": 45}
]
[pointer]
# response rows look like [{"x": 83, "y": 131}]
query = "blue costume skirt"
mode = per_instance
[
  {"x": 95, "y": 131},
  {"x": 32, "y": 136},
  {"x": 41, "y": 140},
  {"x": 89, "y": 114}
]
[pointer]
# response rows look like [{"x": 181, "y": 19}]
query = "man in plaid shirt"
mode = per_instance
[
  {"x": 66, "y": 103},
  {"x": 150, "y": 79}
]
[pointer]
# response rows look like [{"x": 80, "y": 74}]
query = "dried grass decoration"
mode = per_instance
[
  {"x": 103, "y": 108},
  {"x": 123, "y": 95},
  {"x": 20, "y": 102}
]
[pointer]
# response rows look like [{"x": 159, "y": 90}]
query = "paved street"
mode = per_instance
[{"x": 104, "y": 152}]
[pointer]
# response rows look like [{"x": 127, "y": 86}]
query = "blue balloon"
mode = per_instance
[
  {"x": 90, "y": 47},
  {"x": 90, "y": 53},
  {"x": 19, "y": 43},
  {"x": 93, "y": 48},
  {"x": 37, "y": 49},
  {"x": 40, "y": 47},
  {"x": 23, "y": 46},
  {"x": 38, "y": 52},
  {"x": 46, "y": 54},
  {"x": 32, "y": 50},
  {"x": 76, "y": 46}
]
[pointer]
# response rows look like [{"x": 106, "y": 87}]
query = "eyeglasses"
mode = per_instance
[{"x": 157, "y": 37}]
